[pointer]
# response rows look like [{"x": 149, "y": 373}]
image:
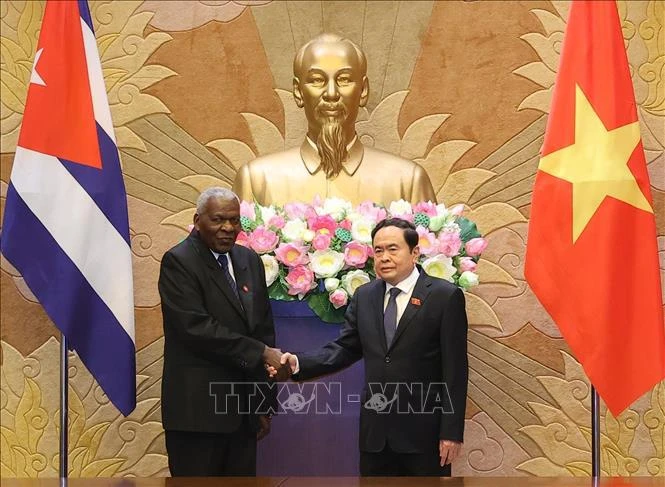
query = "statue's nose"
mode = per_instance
[{"x": 331, "y": 92}]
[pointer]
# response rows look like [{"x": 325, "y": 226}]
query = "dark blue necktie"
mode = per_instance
[
  {"x": 224, "y": 262},
  {"x": 390, "y": 316}
]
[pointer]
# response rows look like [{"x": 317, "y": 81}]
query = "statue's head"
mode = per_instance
[{"x": 330, "y": 83}]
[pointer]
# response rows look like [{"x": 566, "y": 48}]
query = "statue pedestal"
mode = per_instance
[{"x": 312, "y": 442}]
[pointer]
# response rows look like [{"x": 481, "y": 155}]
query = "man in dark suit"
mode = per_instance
[
  {"x": 218, "y": 334},
  {"x": 411, "y": 329}
]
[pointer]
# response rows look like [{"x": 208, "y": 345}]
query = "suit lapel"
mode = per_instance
[
  {"x": 215, "y": 271},
  {"x": 418, "y": 296},
  {"x": 243, "y": 282}
]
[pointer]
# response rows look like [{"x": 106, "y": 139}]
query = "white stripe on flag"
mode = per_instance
[
  {"x": 66, "y": 210},
  {"x": 100, "y": 101}
]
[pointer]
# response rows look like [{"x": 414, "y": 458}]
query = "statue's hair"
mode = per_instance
[
  {"x": 214, "y": 192},
  {"x": 326, "y": 38}
]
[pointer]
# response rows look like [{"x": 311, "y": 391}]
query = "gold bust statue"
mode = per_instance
[{"x": 330, "y": 83}]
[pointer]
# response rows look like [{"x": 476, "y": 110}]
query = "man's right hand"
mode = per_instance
[
  {"x": 271, "y": 356},
  {"x": 288, "y": 363}
]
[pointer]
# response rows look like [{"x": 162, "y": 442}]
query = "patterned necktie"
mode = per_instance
[
  {"x": 224, "y": 262},
  {"x": 390, "y": 316}
]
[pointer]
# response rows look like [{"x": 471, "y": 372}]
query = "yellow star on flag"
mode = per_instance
[{"x": 596, "y": 164}]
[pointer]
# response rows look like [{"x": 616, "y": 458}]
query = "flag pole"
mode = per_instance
[
  {"x": 64, "y": 407},
  {"x": 595, "y": 433}
]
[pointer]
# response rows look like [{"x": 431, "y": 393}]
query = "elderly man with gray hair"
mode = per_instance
[{"x": 218, "y": 334}]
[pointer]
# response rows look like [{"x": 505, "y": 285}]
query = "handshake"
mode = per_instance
[{"x": 280, "y": 366}]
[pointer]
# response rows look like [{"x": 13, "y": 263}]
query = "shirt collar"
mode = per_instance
[
  {"x": 228, "y": 255},
  {"x": 406, "y": 285},
  {"x": 310, "y": 156}
]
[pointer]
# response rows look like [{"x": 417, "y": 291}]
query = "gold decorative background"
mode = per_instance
[{"x": 463, "y": 87}]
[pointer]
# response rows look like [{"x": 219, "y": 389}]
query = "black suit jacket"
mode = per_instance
[
  {"x": 212, "y": 341},
  {"x": 429, "y": 349}
]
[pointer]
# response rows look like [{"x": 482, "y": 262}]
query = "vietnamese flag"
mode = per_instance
[{"x": 592, "y": 258}]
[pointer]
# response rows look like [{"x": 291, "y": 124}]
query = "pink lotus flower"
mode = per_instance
[
  {"x": 457, "y": 210},
  {"x": 242, "y": 239},
  {"x": 475, "y": 246},
  {"x": 427, "y": 242},
  {"x": 356, "y": 254},
  {"x": 300, "y": 280},
  {"x": 292, "y": 254},
  {"x": 277, "y": 222},
  {"x": 426, "y": 207},
  {"x": 296, "y": 210},
  {"x": 322, "y": 224},
  {"x": 321, "y": 241},
  {"x": 247, "y": 209},
  {"x": 338, "y": 298},
  {"x": 450, "y": 243},
  {"x": 263, "y": 240},
  {"x": 371, "y": 212},
  {"x": 467, "y": 264},
  {"x": 345, "y": 224}
]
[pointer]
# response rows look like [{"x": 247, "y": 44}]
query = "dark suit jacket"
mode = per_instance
[
  {"x": 209, "y": 338},
  {"x": 429, "y": 348}
]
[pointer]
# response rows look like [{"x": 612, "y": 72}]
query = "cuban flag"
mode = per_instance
[{"x": 65, "y": 225}]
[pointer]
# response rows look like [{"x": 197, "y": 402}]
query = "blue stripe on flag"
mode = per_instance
[
  {"x": 69, "y": 300},
  {"x": 106, "y": 184},
  {"x": 84, "y": 12}
]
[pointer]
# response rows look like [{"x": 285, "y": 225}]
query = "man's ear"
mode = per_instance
[
  {"x": 364, "y": 95},
  {"x": 297, "y": 94},
  {"x": 195, "y": 220}
]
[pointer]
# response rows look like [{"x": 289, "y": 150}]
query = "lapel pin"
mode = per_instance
[
  {"x": 415, "y": 301},
  {"x": 245, "y": 288}
]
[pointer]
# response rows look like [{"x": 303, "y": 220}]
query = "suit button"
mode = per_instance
[
  {"x": 243, "y": 364},
  {"x": 387, "y": 359}
]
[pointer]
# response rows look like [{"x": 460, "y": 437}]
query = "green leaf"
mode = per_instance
[
  {"x": 468, "y": 229},
  {"x": 324, "y": 309},
  {"x": 277, "y": 290}
]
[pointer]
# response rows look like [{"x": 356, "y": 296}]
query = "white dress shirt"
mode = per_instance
[{"x": 406, "y": 286}]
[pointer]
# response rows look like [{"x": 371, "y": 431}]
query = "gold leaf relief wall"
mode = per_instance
[{"x": 461, "y": 87}]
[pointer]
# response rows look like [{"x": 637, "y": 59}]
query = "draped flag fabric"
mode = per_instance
[
  {"x": 592, "y": 257},
  {"x": 65, "y": 225}
]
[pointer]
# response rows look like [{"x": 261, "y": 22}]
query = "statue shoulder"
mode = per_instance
[
  {"x": 276, "y": 161},
  {"x": 393, "y": 161},
  {"x": 252, "y": 177},
  {"x": 413, "y": 175}
]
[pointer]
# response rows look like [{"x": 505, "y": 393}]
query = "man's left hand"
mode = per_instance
[
  {"x": 264, "y": 427},
  {"x": 448, "y": 451}
]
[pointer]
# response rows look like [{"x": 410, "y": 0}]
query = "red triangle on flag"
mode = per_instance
[{"x": 59, "y": 119}]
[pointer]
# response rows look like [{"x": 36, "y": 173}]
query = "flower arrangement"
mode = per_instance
[{"x": 322, "y": 252}]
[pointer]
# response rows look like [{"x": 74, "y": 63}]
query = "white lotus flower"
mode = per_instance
[
  {"x": 400, "y": 207},
  {"x": 267, "y": 212},
  {"x": 271, "y": 267},
  {"x": 336, "y": 207},
  {"x": 468, "y": 279},
  {"x": 353, "y": 280},
  {"x": 331, "y": 284},
  {"x": 294, "y": 229},
  {"x": 361, "y": 230},
  {"x": 308, "y": 235},
  {"x": 326, "y": 263},
  {"x": 440, "y": 266}
]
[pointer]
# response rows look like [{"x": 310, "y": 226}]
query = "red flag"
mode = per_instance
[{"x": 592, "y": 258}]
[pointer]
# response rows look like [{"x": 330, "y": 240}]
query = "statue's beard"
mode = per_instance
[{"x": 331, "y": 142}]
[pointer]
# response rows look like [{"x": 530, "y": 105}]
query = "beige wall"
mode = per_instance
[{"x": 464, "y": 87}]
